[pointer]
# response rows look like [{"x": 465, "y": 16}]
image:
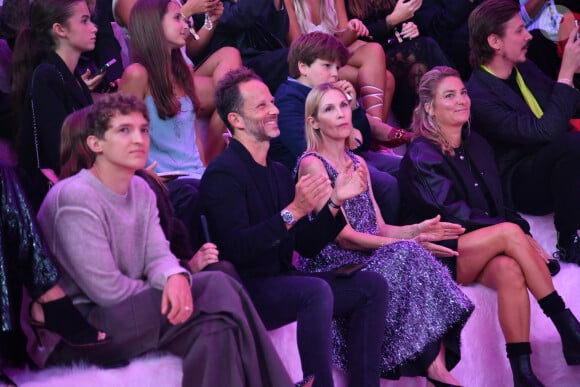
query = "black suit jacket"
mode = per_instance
[
  {"x": 505, "y": 120},
  {"x": 244, "y": 218}
]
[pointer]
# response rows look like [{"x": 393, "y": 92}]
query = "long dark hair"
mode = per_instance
[
  {"x": 33, "y": 44},
  {"x": 150, "y": 50}
]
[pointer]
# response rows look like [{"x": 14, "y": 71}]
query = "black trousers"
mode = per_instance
[
  {"x": 549, "y": 180},
  {"x": 312, "y": 300}
]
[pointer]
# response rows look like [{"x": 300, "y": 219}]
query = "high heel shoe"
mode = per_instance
[
  {"x": 438, "y": 383},
  {"x": 522, "y": 372},
  {"x": 569, "y": 329},
  {"x": 64, "y": 319}
]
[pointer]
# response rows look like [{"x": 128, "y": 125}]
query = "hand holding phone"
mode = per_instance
[
  {"x": 106, "y": 66},
  {"x": 205, "y": 228}
]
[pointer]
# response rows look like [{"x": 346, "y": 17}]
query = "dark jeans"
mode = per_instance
[
  {"x": 549, "y": 180},
  {"x": 312, "y": 300},
  {"x": 184, "y": 195}
]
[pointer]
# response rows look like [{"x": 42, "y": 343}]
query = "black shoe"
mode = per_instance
[
  {"x": 64, "y": 319},
  {"x": 569, "y": 329},
  {"x": 553, "y": 266},
  {"x": 568, "y": 248},
  {"x": 522, "y": 372}
]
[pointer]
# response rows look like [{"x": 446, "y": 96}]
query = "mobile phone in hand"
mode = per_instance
[
  {"x": 205, "y": 228},
  {"x": 106, "y": 66},
  {"x": 348, "y": 270}
]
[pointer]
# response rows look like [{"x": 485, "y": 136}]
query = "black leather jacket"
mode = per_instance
[{"x": 463, "y": 189}]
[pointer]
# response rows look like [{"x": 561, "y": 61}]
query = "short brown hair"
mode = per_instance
[
  {"x": 99, "y": 117},
  {"x": 315, "y": 45},
  {"x": 228, "y": 97},
  {"x": 488, "y": 18}
]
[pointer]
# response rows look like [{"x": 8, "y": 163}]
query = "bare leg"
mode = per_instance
[
  {"x": 389, "y": 93},
  {"x": 206, "y": 78},
  {"x": 504, "y": 274},
  {"x": 478, "y": 247},
  {"x": 210, "y": 143},
  {"x": 51, "y": 294},
  {"x": 438, "y": 371},
  {"x": 369, "y": 60},
  {"x": 220, "y": 63}
]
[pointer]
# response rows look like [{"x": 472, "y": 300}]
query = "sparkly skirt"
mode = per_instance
[{"x": 425, "y": 306}]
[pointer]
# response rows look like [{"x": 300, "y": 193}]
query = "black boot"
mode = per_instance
[
  {"x": 64, "y": 319},
  {"x": 568, "y": 247},
  {"x": 522, "y": 372},
  {"x": 569, "y": 329}
]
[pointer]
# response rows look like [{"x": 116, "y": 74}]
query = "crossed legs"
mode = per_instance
[{"x": 501, "y": 257}]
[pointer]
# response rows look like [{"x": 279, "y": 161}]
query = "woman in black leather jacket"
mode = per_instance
[{"x": 451, "y": 172}]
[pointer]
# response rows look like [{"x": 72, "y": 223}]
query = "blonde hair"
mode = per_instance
[
  {"x": 328, "y": 17},
  {"x": 313, "y": 136},
  {"x": 424, "y": 124}
]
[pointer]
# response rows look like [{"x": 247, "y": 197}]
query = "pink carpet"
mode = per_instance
[{"x": 483, "y": 363}]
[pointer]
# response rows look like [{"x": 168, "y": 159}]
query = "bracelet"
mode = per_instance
[
  {"x": 332, "y": 204},
  {"x": 397, "y": 134}
]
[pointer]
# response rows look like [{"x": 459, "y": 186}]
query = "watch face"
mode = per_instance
[{"x": 287, "y": 217}]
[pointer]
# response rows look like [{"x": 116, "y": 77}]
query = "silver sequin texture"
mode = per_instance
[{"x": 425, "y": 304}]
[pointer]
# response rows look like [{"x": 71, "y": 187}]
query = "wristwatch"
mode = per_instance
[{"x": 287, "y": 217}]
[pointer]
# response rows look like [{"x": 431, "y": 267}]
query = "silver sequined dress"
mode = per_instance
[{"x": 425, "y": 304}]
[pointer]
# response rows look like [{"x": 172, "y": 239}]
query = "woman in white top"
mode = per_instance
[{"x": 366, "y": 68}]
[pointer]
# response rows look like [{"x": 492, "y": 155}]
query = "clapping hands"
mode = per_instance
[
  {"x": 350, "y": 182},
  {"x": 310, "y": 191}
]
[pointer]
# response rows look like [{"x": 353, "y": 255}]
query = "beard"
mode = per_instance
[{"x": 257, "y": 129}]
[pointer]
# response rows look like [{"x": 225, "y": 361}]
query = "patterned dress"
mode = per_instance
[{"x": 425, "y": 304}]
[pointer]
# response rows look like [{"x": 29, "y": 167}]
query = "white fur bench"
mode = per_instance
[{"x": 483, "y": 362}]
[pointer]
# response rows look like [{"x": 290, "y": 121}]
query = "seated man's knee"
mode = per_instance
[{"x": 373, "y": 284}]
